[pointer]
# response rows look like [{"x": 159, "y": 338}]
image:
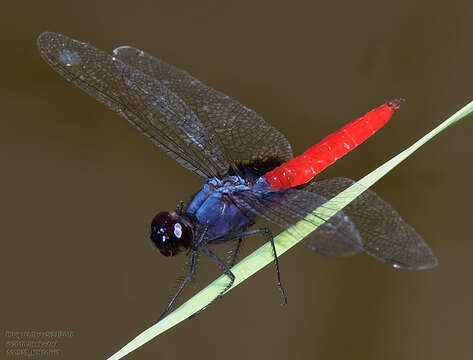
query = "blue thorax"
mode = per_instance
[{"x": 212, "y": 206}]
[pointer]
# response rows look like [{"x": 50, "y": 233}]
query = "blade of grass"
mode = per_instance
[{"x": 283, "y": 242}]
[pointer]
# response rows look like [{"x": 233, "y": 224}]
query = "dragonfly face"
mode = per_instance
[{"x": 170, "y": 233}]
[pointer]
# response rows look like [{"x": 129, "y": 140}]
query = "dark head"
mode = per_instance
[{"x": 170, "y": 233}]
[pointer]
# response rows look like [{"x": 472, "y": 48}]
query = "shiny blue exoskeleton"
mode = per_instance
[{"x": 213, "y": 209}]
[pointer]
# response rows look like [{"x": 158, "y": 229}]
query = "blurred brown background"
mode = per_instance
[{"x": 80, "y": 186}]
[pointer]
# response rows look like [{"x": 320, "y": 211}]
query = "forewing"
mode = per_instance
[
  {"x": 384, "y": 234},
  {"x": 144, "y": 101},
  {"x": 242, "y": 133},
  {"x": 338, "y": 236}
]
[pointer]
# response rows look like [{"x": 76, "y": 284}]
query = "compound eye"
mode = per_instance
[
  {"x": 160, "y": 221},
  {"x": 169, "y": 234}
]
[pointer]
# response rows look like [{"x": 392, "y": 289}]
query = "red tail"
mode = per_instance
[{"x": 304, "y": 167}]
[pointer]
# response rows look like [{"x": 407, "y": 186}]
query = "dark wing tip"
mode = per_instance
[
  {"x": 47, "y": 42},
  {"x": 60, "y": 51},
  {"x": 44, "y": 43},
  {"x": 45, "y": 38}
]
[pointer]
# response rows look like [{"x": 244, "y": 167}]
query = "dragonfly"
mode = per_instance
[{"x": 247, "y": 165}]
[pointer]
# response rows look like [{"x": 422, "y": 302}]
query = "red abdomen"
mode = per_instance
[{"x": 304, "y": 167}]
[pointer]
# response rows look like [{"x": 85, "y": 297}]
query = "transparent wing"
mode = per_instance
[
  {"x": 243, "y": 135},
  {"x": 338, "y": 236},
  {"x": 367, "y": 224},
  {"x": 384, "y": 234},
  {"x": 144, "y": 101}
]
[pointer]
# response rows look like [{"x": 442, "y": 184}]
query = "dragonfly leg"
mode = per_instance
[
  {"x": 269, "y": 235},
  {"x": 190, "y": 273},
  {"x": 266, "y": 232},
  {"x": 224, "y": 268},
  {"x": 235, "y": 253}
]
